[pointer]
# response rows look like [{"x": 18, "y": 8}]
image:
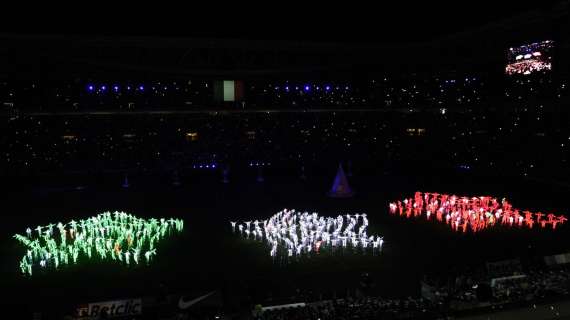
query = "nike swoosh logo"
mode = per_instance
[{"x": 188, "y": 304}]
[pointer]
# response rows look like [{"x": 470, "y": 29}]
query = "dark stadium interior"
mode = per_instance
[{"x": 236, "y": 119}]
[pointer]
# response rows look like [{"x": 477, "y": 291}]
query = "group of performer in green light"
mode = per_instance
[{"x": 116, "y": 236}]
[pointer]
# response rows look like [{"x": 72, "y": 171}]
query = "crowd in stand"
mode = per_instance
[
  {"x": 452, "y": 121},
  {"x": 384, "y": 92},
  {"x": 363, "y": 308},
  {"x": 532, "y": 287},
  {"x": 536, "y": 284},
  {"x": 451, "y": 91},
  {"x": 196, "y": 94},
  {"x": 455, "y": 140}
]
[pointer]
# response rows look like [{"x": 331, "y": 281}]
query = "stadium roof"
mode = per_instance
[
  {"x": 365, "y": 22},
  {"x": 404, "y": 37}
]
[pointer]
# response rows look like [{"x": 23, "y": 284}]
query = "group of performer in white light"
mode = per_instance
[
  {"x": 294, "y": 233},
  {"x": 116, "y": 236}
]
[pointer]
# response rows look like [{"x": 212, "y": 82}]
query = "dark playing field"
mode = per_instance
[{"x": 208, "y": 256}]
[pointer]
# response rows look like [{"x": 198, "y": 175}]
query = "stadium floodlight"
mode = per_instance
[
  {"x": 141, "y": 88},
  {"x": 116, "y": 88},
  {"x": 307, "y": 88},
  {"x": 103, "y": 88},
  {"x": 90, "y": 87}
]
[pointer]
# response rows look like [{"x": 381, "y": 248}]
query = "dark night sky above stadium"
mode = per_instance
[{"x": 406, "y": 21}]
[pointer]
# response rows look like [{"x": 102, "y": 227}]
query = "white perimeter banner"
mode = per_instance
[{"x": 115, "y": 308}]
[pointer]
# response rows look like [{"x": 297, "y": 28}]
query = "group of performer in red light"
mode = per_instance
[{"x": 476, "y": 213}]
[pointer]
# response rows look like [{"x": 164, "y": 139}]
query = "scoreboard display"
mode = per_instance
[{"x": 530, "y": 58}]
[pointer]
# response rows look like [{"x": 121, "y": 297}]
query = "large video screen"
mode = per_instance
[{"x": 530, "y": 58}]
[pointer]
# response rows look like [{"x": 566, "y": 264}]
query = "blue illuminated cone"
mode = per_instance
[
  {"x": 126, "y": 182},
  {"x": 340, "y": 188}
]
